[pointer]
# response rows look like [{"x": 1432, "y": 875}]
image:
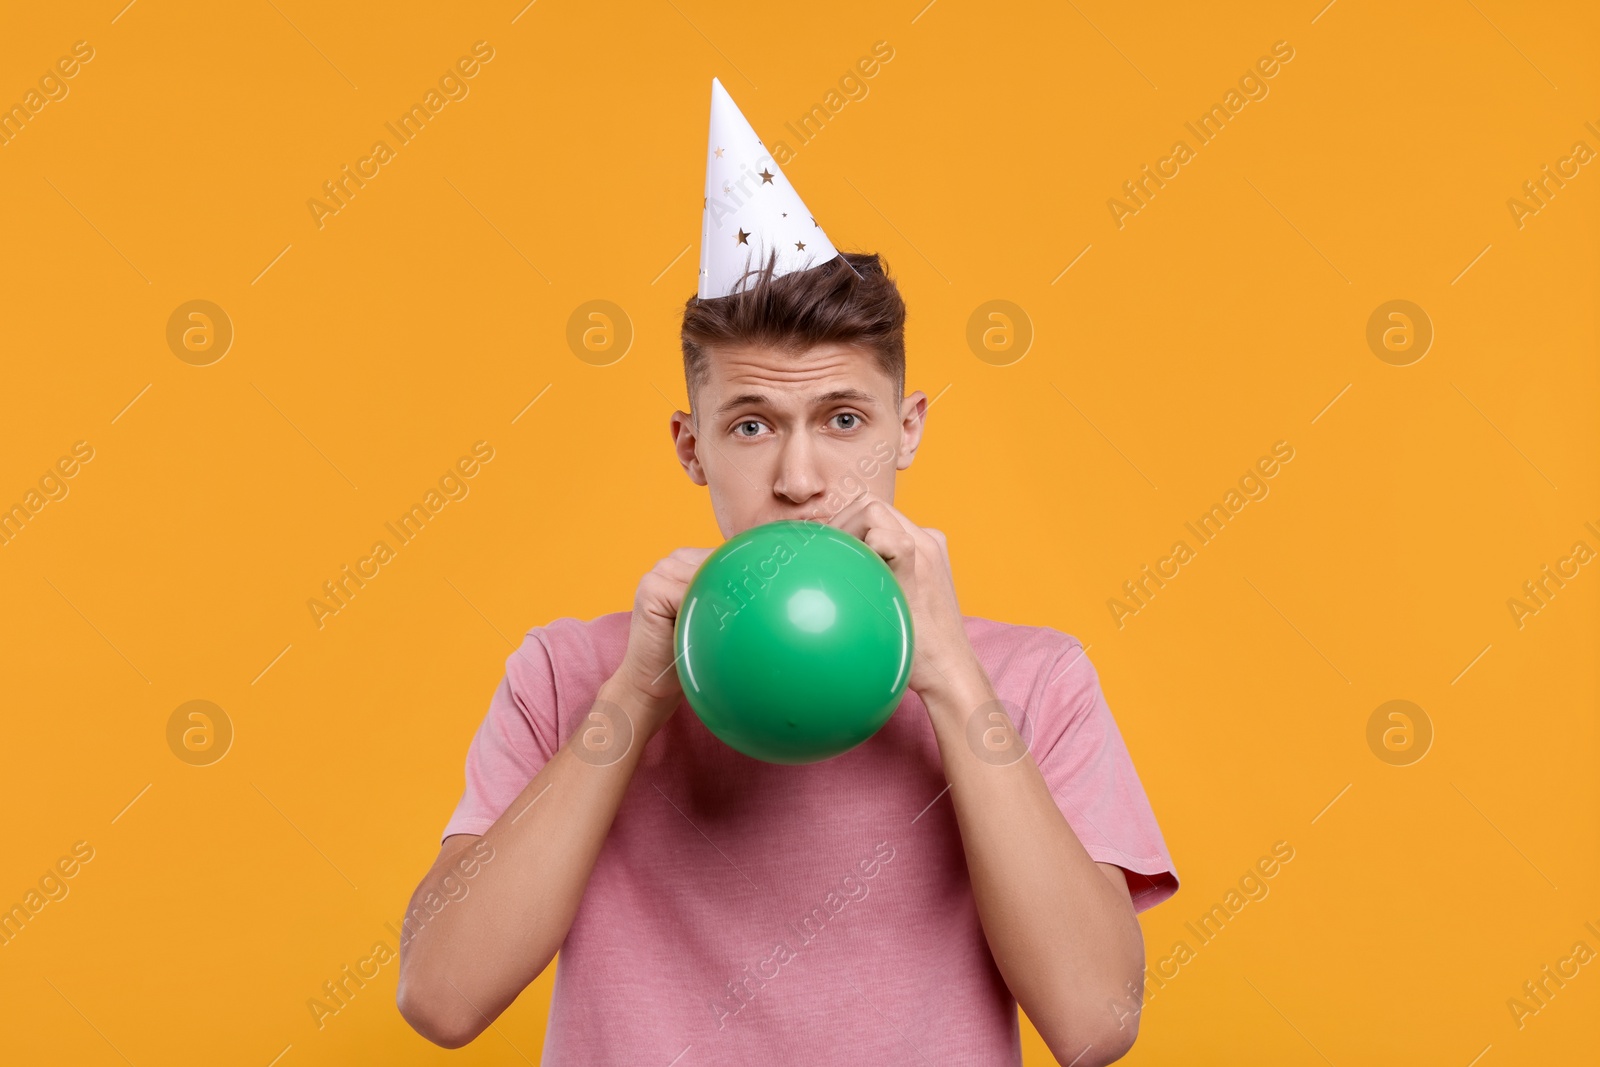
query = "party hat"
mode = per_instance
[{"x": 751, "y": 210}]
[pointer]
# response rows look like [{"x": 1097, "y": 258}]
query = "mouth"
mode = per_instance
[{"x": 801, "y": 516}]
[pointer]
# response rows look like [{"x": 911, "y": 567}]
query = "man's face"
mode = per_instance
[{"x": 783, "y": 436}]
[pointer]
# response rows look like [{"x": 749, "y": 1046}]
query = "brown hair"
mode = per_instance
[{"x": 831, "y": 303}]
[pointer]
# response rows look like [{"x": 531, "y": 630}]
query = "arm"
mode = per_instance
[
  {"x": 470, "y": 959},
  {"x": 466, "y": 964},
  {"x": 1061, "y": 926}
]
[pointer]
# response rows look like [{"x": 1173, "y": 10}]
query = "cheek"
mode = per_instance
[
  {"x": 731, "y": 501},
  {"x": 877, "y": 470}
]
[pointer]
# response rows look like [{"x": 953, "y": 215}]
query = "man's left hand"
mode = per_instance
[{"x": 920, "y": 561}]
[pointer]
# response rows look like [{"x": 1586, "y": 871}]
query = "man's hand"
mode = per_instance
[
  {"x": 456, "y": 975},
  {"x": 648, "y": 671},
  {"x": 920, "y": 561},
  {"x": 1064, "y": 934}
]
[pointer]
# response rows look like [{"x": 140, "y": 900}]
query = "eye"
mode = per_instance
[
  {"x": 739, "y": 426},
  {"x": 855, "y": 420}
]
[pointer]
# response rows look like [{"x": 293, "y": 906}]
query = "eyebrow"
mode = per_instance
[{"x": 743, "y": 399}]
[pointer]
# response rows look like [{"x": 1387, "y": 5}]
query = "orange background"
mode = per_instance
[{"x": 370, "y": 353}]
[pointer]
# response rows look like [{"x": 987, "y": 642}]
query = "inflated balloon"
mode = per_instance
[{"x": 793, "y": 642}]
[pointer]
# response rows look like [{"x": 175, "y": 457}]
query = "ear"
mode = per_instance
[
  {"x": 913, "y": 413},
  {"x": 683, "y": 442}
]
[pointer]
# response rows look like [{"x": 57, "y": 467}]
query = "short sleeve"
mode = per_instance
[
  {"x": 1086, "y": 766},
  {"x": 517, "y": 737}
]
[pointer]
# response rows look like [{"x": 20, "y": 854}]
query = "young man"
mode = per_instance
[{"x": 990, "y": 846}]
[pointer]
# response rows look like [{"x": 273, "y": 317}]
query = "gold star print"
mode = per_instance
[
  {"x": 742, "y": 236},
  {"x": 785, "y": 214},
  {"x": 766, "y": 176},
  {"x": 801, "y": 245},
  {"x": 719, "y": 153}
]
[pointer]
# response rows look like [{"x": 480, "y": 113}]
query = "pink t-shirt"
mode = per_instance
[{"x": 744, "y": 912}]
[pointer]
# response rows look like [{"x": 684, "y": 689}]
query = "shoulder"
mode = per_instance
[
  {"x": 570, "y": 655},
  {"x": 579, "y": 640},
  {"x": 992, "y": 638},
  {"x": 1031, "y": 659}
]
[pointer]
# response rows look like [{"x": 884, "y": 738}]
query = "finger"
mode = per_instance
[
  {"x": 873, "y": 513},
  {"x": 846, "y": 511},
  {"x": 895, "y": 547},
  {"x": 682, "y": 564},
  {"x": 893, "y": 512},
  {"x": 667, "y": 582},
  {"x": 883, "y": 530}
]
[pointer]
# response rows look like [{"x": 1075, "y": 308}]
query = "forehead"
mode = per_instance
[{"x": 780, "y": 374}]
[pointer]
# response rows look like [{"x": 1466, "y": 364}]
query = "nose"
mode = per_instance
[{"x": 798, "y": 479}]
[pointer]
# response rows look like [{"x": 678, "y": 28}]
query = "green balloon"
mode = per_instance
[{"x": 794, "y": 642}]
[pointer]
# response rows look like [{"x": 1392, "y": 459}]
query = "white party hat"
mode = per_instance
[{"x": 751, "y": 210}]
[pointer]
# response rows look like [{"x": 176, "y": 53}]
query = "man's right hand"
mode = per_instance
[
  {"x": 455, "y": 977},
  {"x": 648, "y": 672}
]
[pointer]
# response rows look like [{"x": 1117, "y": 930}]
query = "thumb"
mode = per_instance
[{"x": 894, "y": 548}]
